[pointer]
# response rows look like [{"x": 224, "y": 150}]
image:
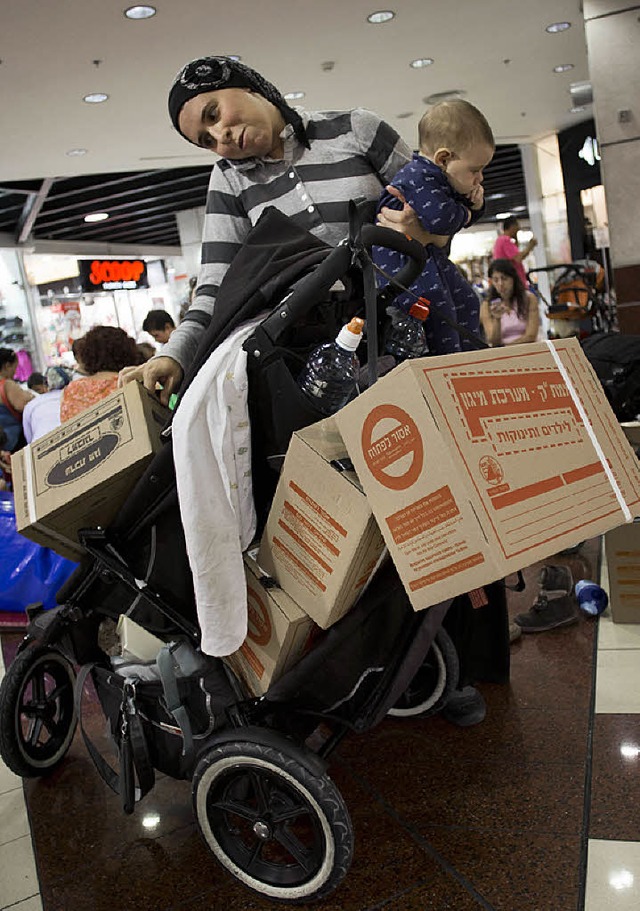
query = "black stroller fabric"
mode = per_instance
[{"x": 616, "y": 360}]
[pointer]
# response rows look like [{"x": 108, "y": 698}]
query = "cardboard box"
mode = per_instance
[
  {"x": 279, "y": 633},
  {"x": 479, "y": 464},
  {"x": 622, "y": 554},
  {"x": 80, "y": 474},
  {"x": 321, "y": 542}
]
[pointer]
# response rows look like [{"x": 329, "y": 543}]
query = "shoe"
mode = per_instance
[
  {"x": 555, "y": 604},
  {"x": 465, "y": 707},
  {"x": 514, "y": 632}
]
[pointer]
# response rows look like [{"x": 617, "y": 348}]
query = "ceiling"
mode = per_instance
[{"x": 138, "y": 169}]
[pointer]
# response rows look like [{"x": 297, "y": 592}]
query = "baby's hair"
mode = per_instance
[{"x": 454, "y": 125}]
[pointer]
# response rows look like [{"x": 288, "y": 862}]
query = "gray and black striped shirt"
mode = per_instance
[{"x": 352, "y": 154}]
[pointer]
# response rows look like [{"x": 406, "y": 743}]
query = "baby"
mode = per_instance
[{"x": 443, "y": 185}]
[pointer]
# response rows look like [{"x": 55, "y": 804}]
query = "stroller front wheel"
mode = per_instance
[
  {"x": 274, "y": 825},
  {"x": 433, "y": 682},
  {"x": 37, "y": 713}
]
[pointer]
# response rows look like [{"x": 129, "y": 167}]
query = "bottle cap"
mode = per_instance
[
  {"x": 420, "y": 310},
  {"x": 350, "y": 335}
]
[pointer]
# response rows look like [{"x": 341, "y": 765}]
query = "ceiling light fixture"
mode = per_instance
[
  {"x": 235, "y": 57},
  {"x": 421, "y": 62},
  {"x": 75, "y": 153},
  {"x": 97, "y": 216},
  {"x": 556, "y": 27},
  {"x": 383, "y": 15},
  {"x": 500, "y": 216},
  {"x": 140, "y": 12},
  {"x": 578, "y": 109},
  {"x": 95, "y": 98},
  {"x": 495, "y": 196},
  {"x": 563, "y": 68},
  {"x": 293, "y": 96}
]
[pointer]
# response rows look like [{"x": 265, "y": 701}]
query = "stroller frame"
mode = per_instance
[{"x": 262, "y": 797}]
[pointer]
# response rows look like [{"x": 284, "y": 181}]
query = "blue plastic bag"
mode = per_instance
[{"x": 28, "y": 572}]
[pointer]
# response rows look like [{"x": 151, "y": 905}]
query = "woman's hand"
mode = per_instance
[
  {"x": 160, "y": 371},
  {"x": 406, "y": 222}
]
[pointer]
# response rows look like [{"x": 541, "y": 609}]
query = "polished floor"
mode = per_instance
[{"x": 535, "y": 809}]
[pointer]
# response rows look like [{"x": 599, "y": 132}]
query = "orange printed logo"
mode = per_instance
[
  {"x": 491, "y": 470},
  {"x": 259, "y": 621},
  {"x": 395, "y": 455}
]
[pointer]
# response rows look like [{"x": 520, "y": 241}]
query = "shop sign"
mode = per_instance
[{"x": 112, "y": 274}]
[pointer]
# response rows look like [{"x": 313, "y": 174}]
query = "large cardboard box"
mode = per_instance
[
  {"x": 321, "y": 541},
  {"x": 80, "y": 474},
  {"x": 622, "y": 554},
  {"x": 479, "y": 464},
  {"x": 279, "y": 633}
]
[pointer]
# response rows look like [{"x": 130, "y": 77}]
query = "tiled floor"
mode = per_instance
[{"x": 535, "y": 809}]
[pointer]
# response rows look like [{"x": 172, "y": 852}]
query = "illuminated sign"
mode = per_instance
[
  {"x": 590, "y": 151},
  {"x": 112, "y": 274}
]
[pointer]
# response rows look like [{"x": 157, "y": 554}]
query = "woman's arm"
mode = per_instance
[
  {"x": 16, "y": 396},
  {"x": 490, "y": 324},
  {"x": 530, "y": 333}
]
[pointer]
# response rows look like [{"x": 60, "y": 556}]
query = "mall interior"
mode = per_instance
[{"x": 533, "y": 804}]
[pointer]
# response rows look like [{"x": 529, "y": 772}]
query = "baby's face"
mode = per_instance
[{"x": 464, "y": 172}]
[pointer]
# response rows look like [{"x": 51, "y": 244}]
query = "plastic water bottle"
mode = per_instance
[
  {"x": 407, "y": 337},
  {"x": 592, "y": 599},
  {"x": 330, "y": 375}
]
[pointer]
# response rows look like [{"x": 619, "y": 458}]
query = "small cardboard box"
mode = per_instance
[
  {"x": 279, "y": 633},
  {"x": 321, "y": 542},
  {"x": 479, "y": 464},
  {"x": 622, "y": 553},
  {"x": 80, "y": 474}
]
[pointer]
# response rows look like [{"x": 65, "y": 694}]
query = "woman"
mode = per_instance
[
  {"x": 12, "y": 400},
  {"x": 306, "y": 164},
  {"x": 100, "y": 355},
  {"x": 42, "y": 414},
  {"x": 509, "y": 314}
]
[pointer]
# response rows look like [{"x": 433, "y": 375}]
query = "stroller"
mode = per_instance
[
  {"x": 579, "y": 302},
  {"x": 262, "y": 798}
]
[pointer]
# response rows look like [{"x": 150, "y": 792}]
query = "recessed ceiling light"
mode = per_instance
[
  {"x": 579, "y": 108},
  {"x": 293, "y": 96},
  {"x": 563, "y": 68},
  {"x": 75, "y": 153},
  {"x": 235, "y": 57},
  {"x": 496, "y": 196},
  {"x": 557, "y": 27},
  {"x": 140, "y": 12},
  {"x": 95, "y": 98},
  {"x": 382, "y": 15},
  {"x": 500, "y": 216},
  {"x": 96, "y": 216},
  {"x": 420, "y": 62}
]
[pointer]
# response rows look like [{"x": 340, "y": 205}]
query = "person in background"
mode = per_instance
[
  {"x": 37, "y": 383},
  {"x": 160, "y": 325},
  {"x": 42, "y": 413},
  {"x": 12, "y": 400},
  {"x": 443, "y": 184},
  {"x": 100, "y": 355},
  {"x": 506, "y": 247},
  {"x": 509, "y": 314},
  {"x": 146, "y": 350},
  {"x": 307, "y": 164}
]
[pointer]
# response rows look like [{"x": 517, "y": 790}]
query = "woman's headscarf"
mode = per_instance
[
  {"x": 58, "y": 378},
  {"x": 208, "y": 74}
]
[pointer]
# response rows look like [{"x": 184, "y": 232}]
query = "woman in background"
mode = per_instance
[
  {"x": 509, "y": 315},
  {"x": 13, "y": 400},
  {"x": 100, "y": 355}
]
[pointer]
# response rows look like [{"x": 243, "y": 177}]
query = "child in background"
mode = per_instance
[{"x": 443, "y": 185}]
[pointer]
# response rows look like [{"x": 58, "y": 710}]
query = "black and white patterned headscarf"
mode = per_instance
[{"x": 207, "y": 74}]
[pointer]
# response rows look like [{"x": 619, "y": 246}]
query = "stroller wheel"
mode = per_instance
[
  {"x": 37, "y": 713},
  {"x": 433, "y": 682},
  {"x": 273, "y": 824}
]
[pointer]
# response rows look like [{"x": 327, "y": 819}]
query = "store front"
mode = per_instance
[{"x": 72, "y": 295}]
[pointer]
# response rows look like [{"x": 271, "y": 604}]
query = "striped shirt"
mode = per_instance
[{"x": 352, "y": 155}]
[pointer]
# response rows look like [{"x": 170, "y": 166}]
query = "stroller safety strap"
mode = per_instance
[
  {"x": 132, "y": 748},
  {"x": 179, "y": 659}
]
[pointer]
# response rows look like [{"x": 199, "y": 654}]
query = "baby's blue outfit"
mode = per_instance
[{"x": 441, "y": 210}]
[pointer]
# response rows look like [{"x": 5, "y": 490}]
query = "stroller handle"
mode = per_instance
[{"x": 316, "y": 284}]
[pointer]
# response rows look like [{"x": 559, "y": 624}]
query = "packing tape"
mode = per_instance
[
  {"x": 587, "y": 426},
  {"x": 30, "y": 485}
]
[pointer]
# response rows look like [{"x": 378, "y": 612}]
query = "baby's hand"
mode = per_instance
[{"x": 476, "y": 197}]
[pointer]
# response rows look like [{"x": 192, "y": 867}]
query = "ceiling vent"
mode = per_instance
[{"x": 581, "y": 93}]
